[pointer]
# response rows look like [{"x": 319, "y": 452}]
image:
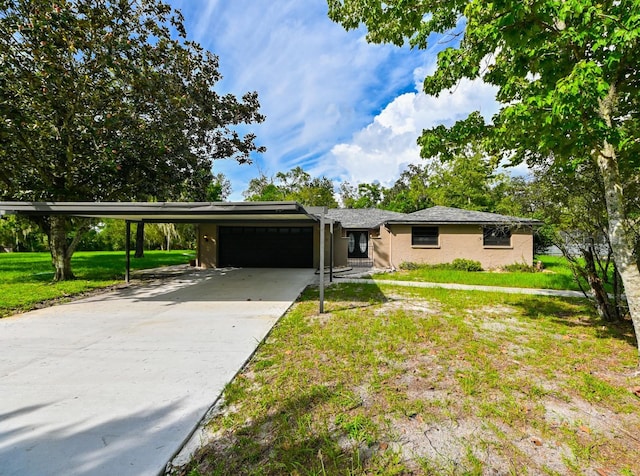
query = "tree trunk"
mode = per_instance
[
  {"x": 603, "y": 305},
  {"x": 60, "y": 255},
  {"x": 617, "y": 294},
  {"x": 620, "y": 233},
  {"x": 139, "y": 240},
  {"x": 621, "y": 237}
]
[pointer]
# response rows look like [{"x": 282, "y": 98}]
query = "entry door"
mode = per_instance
[{"x": 358, "y": 244}]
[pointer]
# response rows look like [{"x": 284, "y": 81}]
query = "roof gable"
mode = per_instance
[{"x": 362, "y": 217}]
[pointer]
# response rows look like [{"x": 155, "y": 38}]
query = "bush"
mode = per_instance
[
  {"x": 458, "y": 264},
  {"x": 410, "y": 266},
  {"x": 521, "y": 268},
  {"x": 462, "y": 264}
]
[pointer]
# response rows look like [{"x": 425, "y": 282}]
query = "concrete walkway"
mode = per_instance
[
  {"x": 115, "y": 384},
  {"x": 466, "y": 287}
]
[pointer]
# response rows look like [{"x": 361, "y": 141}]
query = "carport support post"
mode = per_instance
[
  {"x": 127, "y": 249},
  {"x": 331, "y": 252},
  {"x": 324, "y": 209}
]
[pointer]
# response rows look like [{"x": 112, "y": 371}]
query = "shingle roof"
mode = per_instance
[
  {"x": 447, "y": 215},
  {"x": 362, "y": 217}
]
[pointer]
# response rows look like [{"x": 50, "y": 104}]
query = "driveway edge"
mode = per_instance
[{"x": 200, "y": 436}]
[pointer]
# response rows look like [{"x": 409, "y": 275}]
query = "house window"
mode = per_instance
[
  {"x": 424, "y": 236},
  {"x": 496, "y": 236}
]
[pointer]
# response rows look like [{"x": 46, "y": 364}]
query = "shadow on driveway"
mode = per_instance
[{"x": 115, "y": 383}]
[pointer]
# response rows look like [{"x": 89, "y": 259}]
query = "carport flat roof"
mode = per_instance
[{"x": 164, "y": 211}]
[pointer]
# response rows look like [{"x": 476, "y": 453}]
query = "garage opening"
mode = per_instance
[{"x": 266, "y": 246}]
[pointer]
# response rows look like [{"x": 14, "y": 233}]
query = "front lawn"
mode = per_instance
[
  {"x": 26, "y": 278},
  {"x": 397, "y": 381},
  {"x": 555, "y": 275}
]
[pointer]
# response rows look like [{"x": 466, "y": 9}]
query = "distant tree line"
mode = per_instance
[{"x": 21, "y": 234}]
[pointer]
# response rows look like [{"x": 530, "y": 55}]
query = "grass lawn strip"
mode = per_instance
[
  {"x": 429, "y": 381},
  {"x": 468, "y": 287},
  {"x": 26, "y": 278},
  {"x": 556, "y": 275}
]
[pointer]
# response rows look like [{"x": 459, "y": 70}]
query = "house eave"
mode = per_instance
[{"x": 164, "y": 211}]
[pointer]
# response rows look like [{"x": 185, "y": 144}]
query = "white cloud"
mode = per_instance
[{"x": 382, "y": 149}]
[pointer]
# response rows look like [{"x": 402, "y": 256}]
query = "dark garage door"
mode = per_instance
[{"x": 266, "y": 247}]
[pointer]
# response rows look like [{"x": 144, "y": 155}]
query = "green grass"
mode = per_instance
[
  {"x": 393, "y": 380},
  {"x": 556, "y": 275},
  {"x": 26, "y": 278}
]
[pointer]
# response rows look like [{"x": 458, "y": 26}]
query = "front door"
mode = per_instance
[{"x": 358, "y": 244}]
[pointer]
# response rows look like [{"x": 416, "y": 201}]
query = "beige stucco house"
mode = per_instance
[
  {"x": 434, "y": 235},
  {"x": 369, "y": 237}
]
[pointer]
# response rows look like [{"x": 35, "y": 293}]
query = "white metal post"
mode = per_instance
[
  {"x": 127, "y": 250},
  {"x": 324, "y": 209}
]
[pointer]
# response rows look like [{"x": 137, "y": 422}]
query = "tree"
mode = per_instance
[
  {"x": 468, "y": 180},
  {"x": 108, "y": 100},
  {"x": 295, "y": 185},
  {"x": 262, "y": 189},
  {"x": 365, "y": 195},
  {"x": 19, "y": 234},
  {"x": 298, "y": 185},
  {"x": 574, "y": 203},
  {"x": 567, "y": 76},
  {"x": 410, "y": 192},
  {"x": 219, "y": 188}
]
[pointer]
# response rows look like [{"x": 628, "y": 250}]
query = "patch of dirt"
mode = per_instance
[
  {"x": 546, "y": 455},
  {"x": 419, "y": 306},
  {"x": 449, "y": 445},
  {"x": 497, "y": 310},
  {"x": 585, "y": 417}
]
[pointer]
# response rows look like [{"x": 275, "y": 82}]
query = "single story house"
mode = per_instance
[
  {"x": 435, "y": 235},
  {"x": 286, "y": 234}
]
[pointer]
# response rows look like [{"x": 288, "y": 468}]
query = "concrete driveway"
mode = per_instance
[{"x": 114, "y": 384}]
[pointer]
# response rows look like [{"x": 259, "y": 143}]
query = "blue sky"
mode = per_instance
[{"x": 334, "y": 104}]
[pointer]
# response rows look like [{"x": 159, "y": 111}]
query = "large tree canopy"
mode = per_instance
[
  {"x": 296, "y": 184},
  {"x": 108, "y": 100},
  {"x": 568, "y": 77}
]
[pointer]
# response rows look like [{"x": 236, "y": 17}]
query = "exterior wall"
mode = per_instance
[
  {"x": 382, "y": 249},
  {"x": 340, "y": 247},
  {"x": 460, "y": 241},
  {"x": 393, "y": 246},
  {"x": 207, "y": 245}
]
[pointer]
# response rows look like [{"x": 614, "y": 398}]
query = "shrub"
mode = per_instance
[
  {"x": 458, "y": 264},
  {"x": 462, "y": 264},
  {"x": 410, "y": 266},
  {"x": 521, "y": 268}
]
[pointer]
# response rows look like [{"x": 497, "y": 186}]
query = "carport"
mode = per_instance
[{"x": 241, "y": 234}]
